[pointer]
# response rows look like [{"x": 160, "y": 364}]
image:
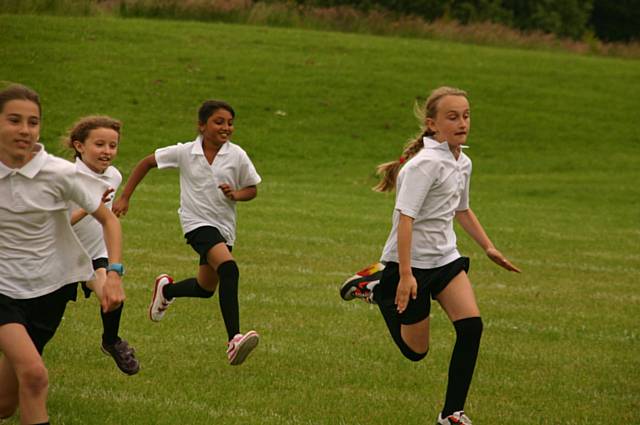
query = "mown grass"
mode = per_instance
[{"x": 555, "y": 153}]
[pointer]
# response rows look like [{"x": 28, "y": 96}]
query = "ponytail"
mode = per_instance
[{"x": 388, "y": 171}]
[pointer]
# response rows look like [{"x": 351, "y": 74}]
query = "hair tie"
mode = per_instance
[{"x": 402, "y": 159}]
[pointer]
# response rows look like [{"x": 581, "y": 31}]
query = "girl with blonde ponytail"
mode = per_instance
[
  {"x": 389, "y": 170},
  {"x": 420, "y": 259}
]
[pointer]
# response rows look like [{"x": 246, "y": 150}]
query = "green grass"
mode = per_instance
[{"x": 555, "y": 150}]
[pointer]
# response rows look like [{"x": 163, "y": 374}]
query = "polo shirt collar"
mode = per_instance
[
  {"x": 31, "y": 168},
  {"x": 197, "y": 147},
  {"x": 429, "y": 143}
]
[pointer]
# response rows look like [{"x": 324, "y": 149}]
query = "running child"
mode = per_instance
[
  {"x": 41, "y": 257},
  {"x": 420, "y": 258},
  {"x": 214, "y": 174},
  {"x": 95, "y": 141}
]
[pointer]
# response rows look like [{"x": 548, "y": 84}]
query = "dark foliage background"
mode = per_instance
[{"x": 608, "y": 20}]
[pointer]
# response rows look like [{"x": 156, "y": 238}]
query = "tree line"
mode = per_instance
[{"x": 608, "y": 20}]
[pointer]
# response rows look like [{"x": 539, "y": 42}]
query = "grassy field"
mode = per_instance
[{"x": 555, "y": 145}]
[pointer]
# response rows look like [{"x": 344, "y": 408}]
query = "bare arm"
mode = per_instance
[
  {"x": 407, "y": 287},
  {"x": 121, "y": 205},
  {"x": 79, "y": 214},
  {"x": 113, "y": 290},
  {"x": 244, "y": 194},
  {"x": 470, "y": 223}
]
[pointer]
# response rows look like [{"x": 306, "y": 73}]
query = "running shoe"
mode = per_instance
[
  {"x": 361, "y": 284},
  {"x": 458, "y": 418},
  {"x": 159, "y": 303},
  {"x": 124, "y": 356},
  {"x": 241, "y": 346}
]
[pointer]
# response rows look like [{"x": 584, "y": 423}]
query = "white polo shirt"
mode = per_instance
[
  {"x": 431, "y": 187},
  {"x": 202, "y": 203},
  {"x": 39, "y": 253},
  {"x": 89, "y": 230}
]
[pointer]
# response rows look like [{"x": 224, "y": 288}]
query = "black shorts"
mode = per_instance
[
  {"x": 203, "y": 239},
  {"x": 98, "y": 263},
  {"x": 41, "y": 315},
  {"x": 430, "y": 283}
]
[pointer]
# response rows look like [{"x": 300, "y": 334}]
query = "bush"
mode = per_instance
[
  {"x": 616, "y": 20},
  {"x": 565, "y": 18}
]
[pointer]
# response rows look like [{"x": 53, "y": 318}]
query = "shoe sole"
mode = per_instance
[
  {"x": 368, "y": 274},
  {"x": 349, "y": 287},
  {"x": 246, "y": 345},
  {"x": 155, "y": 291}
]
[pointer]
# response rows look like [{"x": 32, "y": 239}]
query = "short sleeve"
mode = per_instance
[
  {"x": 248, "y": 175},
  {"x": 417, "y": 180},
  {"x": 86, "y": 191},
  {"x": 168, "y": 157}
]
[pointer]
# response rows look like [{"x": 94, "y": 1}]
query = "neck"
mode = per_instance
[
  {"x": 17, "y": 161},
  {"x": 211, "y": 145},
  {"x": 455, "y": 150}
]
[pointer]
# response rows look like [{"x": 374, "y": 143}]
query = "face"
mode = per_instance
[
  {"x": 19, "y": 132},
  {"x": 218, "y": 128},
  {"x": 452, "y": 121},
  {"x": 99, "y": 149}
]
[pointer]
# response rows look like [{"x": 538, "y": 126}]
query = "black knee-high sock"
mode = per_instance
[
  {"x": 186, "y": 288},
  {"x": 463, "y": 363},
  {"x": 229, "y": 275},
  {"x": 111, "y": 325}
]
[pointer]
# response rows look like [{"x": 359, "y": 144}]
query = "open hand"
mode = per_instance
[
  {"x": 497, "y": 257},
  {"x": 407, "y": 287}
]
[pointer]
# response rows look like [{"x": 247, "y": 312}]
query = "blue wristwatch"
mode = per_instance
[{"x": 116, "y": 267}]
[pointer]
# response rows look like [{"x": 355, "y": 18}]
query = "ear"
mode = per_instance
[
  {"x": 79, "y": 146},
  {"x": 431, "y": 124}
]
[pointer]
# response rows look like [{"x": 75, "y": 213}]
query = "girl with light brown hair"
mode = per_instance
[
  {"x": 95, "y": 141},
  {"x": 420, "y": 259}
]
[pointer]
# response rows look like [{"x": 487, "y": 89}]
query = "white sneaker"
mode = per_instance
[
  {"x": 455, "y": 418},
  {"x": 241, "y": 346},
  {"x": 159, "y": 303}
]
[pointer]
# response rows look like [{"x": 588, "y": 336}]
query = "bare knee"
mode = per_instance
[
  {"x": 416, "y": 337},
  {"x": 418, "y": 345},
  {"x": 34, "y": 380},
  {"x": 8, "y": 390},
  {"x": 8, "y": 407}
]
